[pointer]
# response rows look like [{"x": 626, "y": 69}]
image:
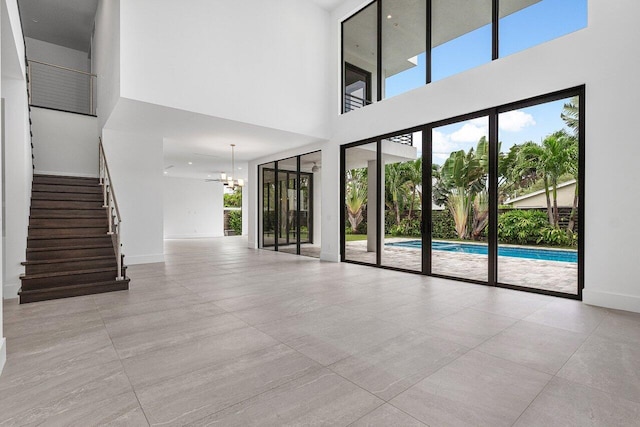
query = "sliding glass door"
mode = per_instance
[
  {"x": 287, "y": 204},
  {"x": 494, "y": 197}
]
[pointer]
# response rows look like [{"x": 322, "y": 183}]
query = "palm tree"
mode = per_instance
[
  {"x": 395, "y": 177},
  {"x": 356, "y": 199},
  {"x": 550, "y": 160},
  {"x": 414, "y": 183},
  {"x": 571, "y": 116}
]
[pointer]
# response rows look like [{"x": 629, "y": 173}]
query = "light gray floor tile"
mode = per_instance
[
  {"x": 610, "y": 366},
  {"x": 620, "y": 326},
  {"x": 190, "y": 397},
  {"x": 387, "y": 416},
  {"x": 564, "y": 403},
  {"x": 537, "y": 346},
  {"x": 395, "y": 365},
  {"x": 570, "y": 315},
  {"x": 149, "y": 368},
  {"x": 476, "y": 389},
  {"x": 70, "y": 391},
  {"x": 320, "y": 398},
  {"x": 469, "y": 327}
]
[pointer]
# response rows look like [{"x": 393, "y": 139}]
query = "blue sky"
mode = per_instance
[{"x": 541, "y": 22}]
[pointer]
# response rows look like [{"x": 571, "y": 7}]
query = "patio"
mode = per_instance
[{"x": 548, "y": 275}]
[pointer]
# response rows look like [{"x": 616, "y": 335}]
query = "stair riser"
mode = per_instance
[
  {"x": 76, "y": 279},
  {"x": 38, "y": 179},
  {"x": 59, "y": 188},
  {"x": 68, "y": 222},
  {"x": 61, "y": 243},
  {"x": 61, "y": 253},
  {"x": 50, "y": 294},
  {"x": 68, "y": 213},
  {"x": 46, "y": 232},
  {"x": 65, "y": 204},
  {"x": 70, "y": 266},
  {"x": 47, "y": 195}
]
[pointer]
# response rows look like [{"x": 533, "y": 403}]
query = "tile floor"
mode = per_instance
[{"x": 224, "y": 335}]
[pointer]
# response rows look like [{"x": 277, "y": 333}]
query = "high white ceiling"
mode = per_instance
[
  {"x": 67, "y": 23},
  {"x": 328, "y": 5},
  {"x": 202, "y": 140}
]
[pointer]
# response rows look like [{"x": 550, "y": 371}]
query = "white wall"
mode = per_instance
[
  {"x": 58, "y": 55},
  {"x": 192, "y": 208},
  {"x": 106, "y": 58},
  {"x": 135, "y": 162},
  {"x": 65, "y": 143},
  {"x": 598, "y": 56},
  {"x": 219, "y": 57}
]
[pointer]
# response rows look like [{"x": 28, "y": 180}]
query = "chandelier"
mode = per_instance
[{"x": 228, "y": 180}]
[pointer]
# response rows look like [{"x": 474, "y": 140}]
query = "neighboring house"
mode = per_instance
[{"x": 565, "y": 193}]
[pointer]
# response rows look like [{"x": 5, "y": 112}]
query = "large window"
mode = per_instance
[
  {"x": 503, "y": 190},
  {"x": 392, "y": 46}
]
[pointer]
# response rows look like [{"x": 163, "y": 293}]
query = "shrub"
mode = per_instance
[
  {"x": 235, "y": 221},
  {"x": 531, "y": 227},
  {"x": 521, "y": 226},
  {"x": 443, "y": 226},
  {"x": 407, "y": 227}
]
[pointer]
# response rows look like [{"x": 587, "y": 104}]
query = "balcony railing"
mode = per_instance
[
  {"x": 406, "y": 139},
  {"x": 352, "y": 102},
  {"x": 61, "y": 88}
]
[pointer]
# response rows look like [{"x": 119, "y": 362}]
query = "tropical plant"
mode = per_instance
[
  {"x": 462, "y": 177},
  {"x": 235, "y": 221},
  {"x": 521, "y": 226},
  {"x": 571, "y": 116},
  {"x": 356, "y": 196},
  {"x": 480, "y": 214},
  {"x": 414, "y": 183},
  {"x": 550, "y": 160},
  {"x": 395, "y": 178},
  {"x": 233, "y": 200}
]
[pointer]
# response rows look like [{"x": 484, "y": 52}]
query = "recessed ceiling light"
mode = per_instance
[
  {"x": 240, "y": 168},
  {"x": 34, "y": 19},
  {"x": 190, "y": 163},
  {"x": 166, "y": 173},
  {"x": 208, "y": 176},
  {"x": 389, "y": 16}
]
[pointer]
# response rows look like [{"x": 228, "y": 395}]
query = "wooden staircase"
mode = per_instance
[{"x": 69, "y": 250}]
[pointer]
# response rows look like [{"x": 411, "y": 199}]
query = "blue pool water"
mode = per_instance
[{"x": 510, "y": 251}]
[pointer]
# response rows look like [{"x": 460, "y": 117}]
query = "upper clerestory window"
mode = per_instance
[{"x": 392, "y": 46}]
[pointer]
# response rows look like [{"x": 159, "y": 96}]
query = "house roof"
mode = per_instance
[{"x": 536, "y": 193}]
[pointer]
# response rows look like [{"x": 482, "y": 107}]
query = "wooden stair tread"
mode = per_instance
[
  {"x": 41, "y": 227},
  {"x": 126, "y": 279},
  {"x": 66, "y": 260},
  {"x": 67, "y": 273},
  {"x": 70, "y": 236},
  {"x": 65, "y": 248}
]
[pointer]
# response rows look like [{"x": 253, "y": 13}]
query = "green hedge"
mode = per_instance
[{"x": 235, "y": 221}]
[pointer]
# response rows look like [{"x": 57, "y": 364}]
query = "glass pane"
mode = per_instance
[
  {"x": 402, "y": 196},
  {"x": 268, "y": 187},
  {"x": 526, "y": 23},
  {"x": 360, "y": 203},
  {"x": 359, "y": 49},
  {"x": 538, "y": 196},
  {"x": 461, "y": 36},
  {"x": 310, "y": 203},
  {"x": 460, "y": 204},
  {"x": 404, "y": 26}
]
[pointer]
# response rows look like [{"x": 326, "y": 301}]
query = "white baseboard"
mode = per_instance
[
  {"x": 331, "y": 257},
  {"x": 192, "y": 236},
  {"x": 3, "y": 353},
  {"x": 143, "y": 259},
  {"x": 79, "y": 175},
  {"x": 612, "y": 300},
  {"x": 10, "y": 290}
]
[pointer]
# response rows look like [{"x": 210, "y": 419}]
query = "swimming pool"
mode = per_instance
[{"x": 560, "y": 255}]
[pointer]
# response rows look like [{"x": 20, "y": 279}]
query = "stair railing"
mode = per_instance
[{"x": 110, "y": 202}]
